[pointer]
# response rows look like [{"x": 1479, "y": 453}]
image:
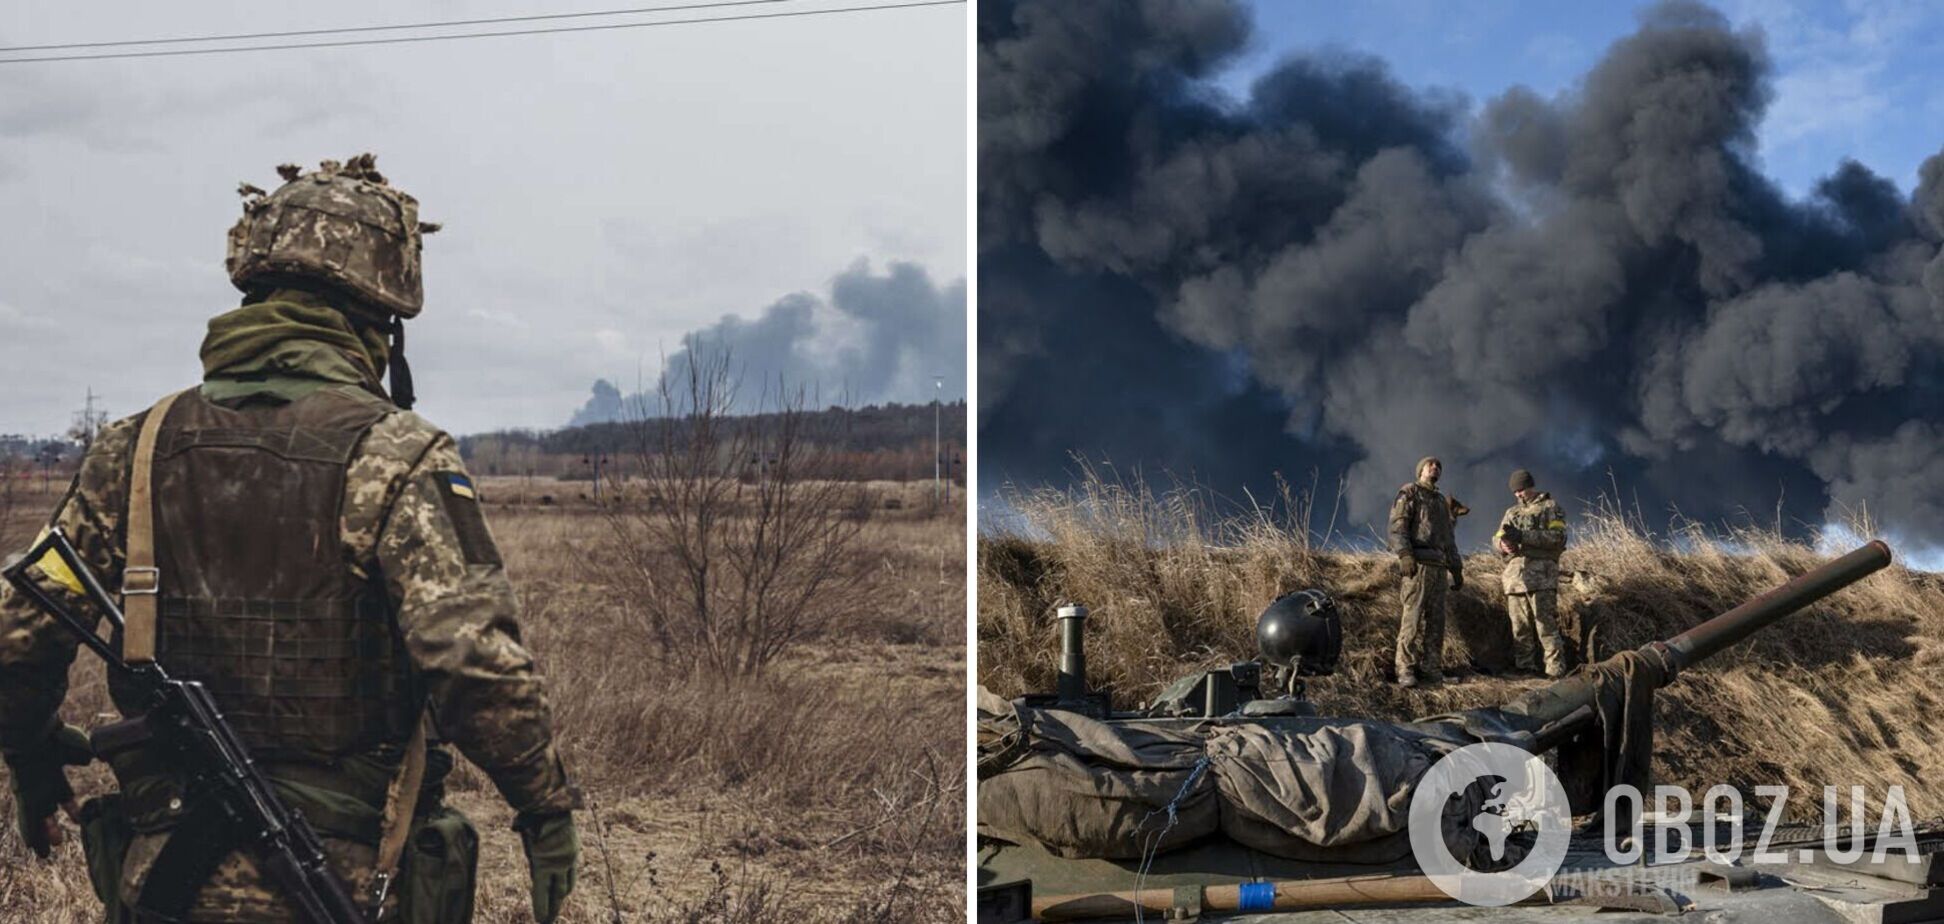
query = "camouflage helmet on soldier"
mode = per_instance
[{"x": 340, "y": 224}]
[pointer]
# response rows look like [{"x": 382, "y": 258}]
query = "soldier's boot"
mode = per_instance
[
  {"x": 1555, "y": 653},
  {"x": 1407, "y": 678}
]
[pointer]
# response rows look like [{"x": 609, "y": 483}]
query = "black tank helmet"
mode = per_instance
[{"x": 1301, "y": 630}]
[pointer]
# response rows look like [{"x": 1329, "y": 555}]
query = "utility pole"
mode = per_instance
[
  {"x": 938, "y": 447},
  {"x": 88, "y": 423}
]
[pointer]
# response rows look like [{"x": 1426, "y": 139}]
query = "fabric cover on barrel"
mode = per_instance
[
  {"x": 1338, "y": 793},
  {"x": 1083, "y": 788}
]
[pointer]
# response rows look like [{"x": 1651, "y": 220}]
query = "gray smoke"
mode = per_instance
[
  {"x": 1598, "y": 285},
  {"x": 876, "y": 339}
]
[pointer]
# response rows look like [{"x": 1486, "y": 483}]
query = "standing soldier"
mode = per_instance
[
  {"x": 313, "y": 553},
  {"x": 1421, "y": 534},
  {"x": 1530, "y": 537}
]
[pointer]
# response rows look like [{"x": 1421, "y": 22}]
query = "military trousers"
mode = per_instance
[
  {"x": 1420, "y": 634},
  {"x": 1535, "y": 629}
]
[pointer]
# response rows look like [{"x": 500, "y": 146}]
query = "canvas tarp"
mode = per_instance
[
  {"x": 1336, "y": 792},
  {"x": 1340, "y": 793},
  {"x": 1083, "y": 788}
]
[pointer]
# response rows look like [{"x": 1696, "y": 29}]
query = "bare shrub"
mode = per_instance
[{"x": 738, "y": 536}]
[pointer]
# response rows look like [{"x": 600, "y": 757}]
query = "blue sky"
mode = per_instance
[{"x": 1857, "y": 78}]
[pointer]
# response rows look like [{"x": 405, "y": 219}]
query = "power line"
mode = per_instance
[
  {"x": 471, "y": 35},
  {"x": 239, "y": 36}
]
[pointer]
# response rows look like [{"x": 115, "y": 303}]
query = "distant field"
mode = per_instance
[
  {"x": 1843, "y": 693},
  {"x": 831, "y": 790}
]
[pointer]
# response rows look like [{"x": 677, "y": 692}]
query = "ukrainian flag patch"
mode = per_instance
[
  {"x": 458, "y": 484},
  {"x": 56, "y": 569},
  {"x": 461, "y": 504}
]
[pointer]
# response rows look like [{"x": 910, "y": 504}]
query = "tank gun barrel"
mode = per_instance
[
  {"x": 1705, "y": 640},
  {"x": 1562, "y": 705}
]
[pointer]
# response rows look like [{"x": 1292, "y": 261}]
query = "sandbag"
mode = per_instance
[
  {"x": 1083, "y": 788},
  {"x": 1336, "y": 793}
]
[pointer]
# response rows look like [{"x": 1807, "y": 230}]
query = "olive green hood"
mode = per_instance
[{"x": 288, "y": 345}]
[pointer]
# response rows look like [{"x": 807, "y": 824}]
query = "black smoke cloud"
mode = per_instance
[
  {"x": 1343, "y": 274},
  {"x": 875, "y": 339}
]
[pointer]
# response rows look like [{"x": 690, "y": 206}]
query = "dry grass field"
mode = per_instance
[
  {"x": 830, "y": 789},
  {"x": 1843, "y": 693}
]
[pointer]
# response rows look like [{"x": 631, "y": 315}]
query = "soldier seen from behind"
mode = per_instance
[
  {"x": 1530, "y": 538},
  {"x": 1422, "y": 536},
  {"x": 296, "y": 539}
]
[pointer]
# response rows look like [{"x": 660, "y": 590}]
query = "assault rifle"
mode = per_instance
[{"x": 181, "y": 719}]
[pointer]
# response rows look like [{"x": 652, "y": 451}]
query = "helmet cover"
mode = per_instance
[{"x": 341, "y": 224}]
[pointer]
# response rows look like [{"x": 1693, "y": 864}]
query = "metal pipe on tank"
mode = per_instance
[
  {"x": 1704, "y": 640},
  {"x": 1073, "y": 652},
  {"x": 1557, "y": 703}
]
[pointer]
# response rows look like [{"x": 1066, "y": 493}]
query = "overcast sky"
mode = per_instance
[{"x": 602, "y": 193}]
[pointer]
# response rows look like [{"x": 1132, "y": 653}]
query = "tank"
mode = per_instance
[{"x": 1219, "y": 877}]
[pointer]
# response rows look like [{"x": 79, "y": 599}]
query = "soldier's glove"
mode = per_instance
[
  {"x": 1407, "y": 564},
  {"x": 40, "y": 785},
  {"x": 553, "y": 853},
  {"x": 1457, "y": 579},
  {"x": 1512, "y": 536}
]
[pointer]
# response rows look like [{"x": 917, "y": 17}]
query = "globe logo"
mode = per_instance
[{"x": 1504, "y": 791}]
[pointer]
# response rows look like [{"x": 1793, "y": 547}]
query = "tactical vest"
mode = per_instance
[
  {"x": 258, "y": 598},
  {"x": 1429, "y": 523}
]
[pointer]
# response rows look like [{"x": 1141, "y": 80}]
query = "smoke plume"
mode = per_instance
[
  {"x": 1343, "y": 274},
  {"x": 876, "y": 339}
]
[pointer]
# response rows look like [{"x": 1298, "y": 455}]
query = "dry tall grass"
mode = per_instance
[
  {"x": 830, "y": 790},
  {"x": 1843, "y": 693}
]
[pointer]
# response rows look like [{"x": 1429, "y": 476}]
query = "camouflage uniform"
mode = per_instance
[
  {"x": 1531, "y": 582},
  {"x": 407, "y": 527},
  {"x": 1422, "y": 530}
]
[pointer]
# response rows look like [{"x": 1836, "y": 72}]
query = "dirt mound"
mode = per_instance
[{"x": 1843, "y": 693}]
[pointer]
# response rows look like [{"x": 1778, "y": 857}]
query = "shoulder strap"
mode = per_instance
[
  {"x": 140, "y": 579},
  {"x": 401, "y": 803}
]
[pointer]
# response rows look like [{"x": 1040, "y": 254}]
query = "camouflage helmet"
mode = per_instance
[{"x": 340, "y": 224}]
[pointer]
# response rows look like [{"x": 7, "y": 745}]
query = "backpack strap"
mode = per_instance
[{"x": 141, "y": 581}]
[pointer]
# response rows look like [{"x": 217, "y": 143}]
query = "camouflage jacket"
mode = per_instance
[
  {"x": 457, "y": 616},
  {"x": 1423, "y": 526},
  {"x": 1534, "y": 566}
]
